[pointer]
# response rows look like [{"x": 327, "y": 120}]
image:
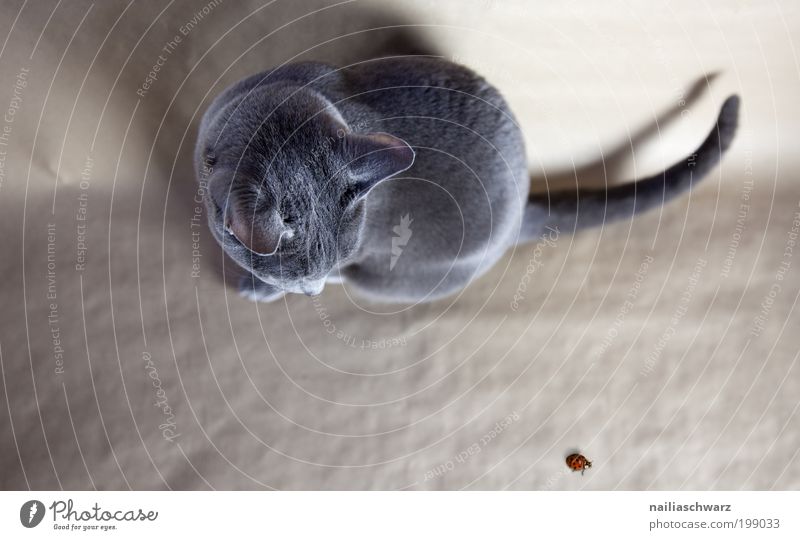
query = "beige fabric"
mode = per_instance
[{"x": 659, "y": 370}]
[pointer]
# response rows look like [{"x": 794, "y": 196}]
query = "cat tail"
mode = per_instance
[{"x": 568, "y": 211}]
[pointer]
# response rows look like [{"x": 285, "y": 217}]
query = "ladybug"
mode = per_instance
[{"x": 578, "y": 462}]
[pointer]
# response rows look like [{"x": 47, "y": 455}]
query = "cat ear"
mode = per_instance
[
  {"x": 374, "y": 158},
  {"x": 260, "y": 232}
]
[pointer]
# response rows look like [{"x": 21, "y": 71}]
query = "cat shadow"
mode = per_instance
[{"x": 609, "y": 167}]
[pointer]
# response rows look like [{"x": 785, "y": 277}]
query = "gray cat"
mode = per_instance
[{"x": 406, "y": 178}]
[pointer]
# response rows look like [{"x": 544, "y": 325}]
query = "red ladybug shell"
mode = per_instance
[{"x": 578, "y": 462}]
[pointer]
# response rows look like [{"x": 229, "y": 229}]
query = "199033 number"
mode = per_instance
[{"x": 759, "y": 523}]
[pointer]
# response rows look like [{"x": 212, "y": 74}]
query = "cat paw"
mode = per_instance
[
  {"x": 256, "y": 290},
  {"x": 334, "y": 278}
]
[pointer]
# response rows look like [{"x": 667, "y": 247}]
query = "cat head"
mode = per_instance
[{"x": 288, "y": 181}]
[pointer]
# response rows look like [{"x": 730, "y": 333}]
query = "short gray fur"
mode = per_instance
[{"x": 406, "y": 178}]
